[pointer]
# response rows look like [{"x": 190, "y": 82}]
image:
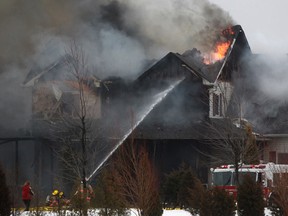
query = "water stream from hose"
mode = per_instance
[{"x": 156, "y": 100}]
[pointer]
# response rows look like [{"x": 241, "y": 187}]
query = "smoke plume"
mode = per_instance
[
  {"x": 118, "y": 36},
  {"x": 265, "y": 86},
  {"x": 109, "y": 30}
]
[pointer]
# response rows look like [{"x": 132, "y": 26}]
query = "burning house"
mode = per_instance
[
  {"x": 167, "y": 108},
  {"x": 213, "y": 87},
  {"x": 175, "y": 128}
]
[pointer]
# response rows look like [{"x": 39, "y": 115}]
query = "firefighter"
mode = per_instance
[
  {"x": 88, "y": 193},
  {"x": 57, "y": 198},
  {"x": 63, "y": 201},
  {"x": 53, "y": 199}
]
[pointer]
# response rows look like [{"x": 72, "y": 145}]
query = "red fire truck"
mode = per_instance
[{"x": 224, "y": 176}]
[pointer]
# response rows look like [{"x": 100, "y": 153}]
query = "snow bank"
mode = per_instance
[{"x": 134, "y": 213}]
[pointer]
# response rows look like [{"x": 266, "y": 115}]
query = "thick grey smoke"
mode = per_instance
[
  {"x": 272, "y": 76},
  {"x": 109, "y": 30},
  {"x": 118, "y": 36},
  {"x": 266, "y": 89}
]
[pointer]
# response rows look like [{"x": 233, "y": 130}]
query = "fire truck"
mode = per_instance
[{"x": 266, "y": 174}]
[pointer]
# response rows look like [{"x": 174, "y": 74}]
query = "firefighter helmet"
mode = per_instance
[{"x": 55, "y": 192}]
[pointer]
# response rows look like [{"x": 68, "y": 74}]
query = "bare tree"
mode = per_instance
[
  {"x": 230, "y": 137},
  {"x": 76, "y": 131},
  {"x": 136, "y": 178},
  {"x": 231, "y": 144}
]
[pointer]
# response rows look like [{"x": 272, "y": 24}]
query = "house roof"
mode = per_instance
[
  {"x": 211, "y": 72},
  {"x": 54, "y": 71},
  {"x": 37, "y": 71},
  {"x": 170, "y": 65}
]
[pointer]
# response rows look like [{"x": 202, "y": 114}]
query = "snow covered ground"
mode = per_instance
[
  {"x": 185, "y": 213},
  {"x": 134, "y": 213}
]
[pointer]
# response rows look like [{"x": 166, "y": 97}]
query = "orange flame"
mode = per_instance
[
  {"x": 220, "y": 49},
  {"x": 219, "y": 53}
]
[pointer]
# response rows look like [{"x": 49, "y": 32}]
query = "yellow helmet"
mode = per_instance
[
  {"x": 55, "y": 192},
  {"x": 61, "y": 194}
]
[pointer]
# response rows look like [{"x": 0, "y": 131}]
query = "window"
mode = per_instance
[
  {"x": 241, "y": 176},
  {"x": 219, "y": 98},
  {"x": 217, "y": 105},
  {"x": 71, "y": 103},
  {"x": 272, "y": 156},
  {"x": 222, "y": 178},
  {"x": 216, "y": 101}
]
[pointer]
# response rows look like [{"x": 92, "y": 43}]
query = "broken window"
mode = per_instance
[{"x": 71, "y": 103}]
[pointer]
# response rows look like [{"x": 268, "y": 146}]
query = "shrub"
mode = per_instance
[
  {"x": 107, "y": 199},
  {"x": 250, "y": 198},
  {"x": 222, "y": 204},
  {"x": 198, "y": 194},
  {"x": 156, "y": 210},
  {"x": 176, "y": 190},
  {"x": 205, "y": 208},
  {"x": 214, "y": 202},
  {"x": 5, "y": 202},
  {"x": 274, "y": 205}
]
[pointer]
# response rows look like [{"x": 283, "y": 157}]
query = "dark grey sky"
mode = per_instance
[{"x": 264, "y": 22}]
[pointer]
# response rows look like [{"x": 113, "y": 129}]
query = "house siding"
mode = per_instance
[{"x": 279, "y": 146}]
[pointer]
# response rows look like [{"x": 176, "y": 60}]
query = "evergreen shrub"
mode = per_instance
[
  {"x": 176, "y": 190},
  {"x": 250, "y": 198}
]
